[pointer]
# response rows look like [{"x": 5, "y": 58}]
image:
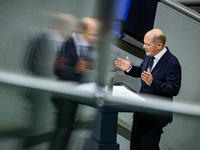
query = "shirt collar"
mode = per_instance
[
  {"x": 53, "y": 35},
  {"x": 79, "y": 40},
  {"x": 160, "y": 54}
]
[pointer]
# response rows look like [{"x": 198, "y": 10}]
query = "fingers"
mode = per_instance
[
  {"x": 61, "y": 62},
  {"x": 82, "y": 66},
  {"x": 128, "y": 59},
  {"x": 147, "y": 77},
  {"x": 123, "y": 64},
  {"x": 119, "y": 59},
  {"x": 119, "y": 62},
  {"x": 145, "y": 74}
]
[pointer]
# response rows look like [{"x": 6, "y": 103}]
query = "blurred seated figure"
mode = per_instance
[
  {"x": 43, "y": 48},
  {"x": 39, "y": 61},
  {"x": 71, "y": 64}
]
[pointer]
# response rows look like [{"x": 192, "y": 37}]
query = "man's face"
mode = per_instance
[
  {"x": 150, "y": 47},
  {"x": 90, "y": 35}
]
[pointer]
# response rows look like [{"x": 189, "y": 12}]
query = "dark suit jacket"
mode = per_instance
[
  {"x": 166, "y": 82},
  {"x": 67, "y": 70}
]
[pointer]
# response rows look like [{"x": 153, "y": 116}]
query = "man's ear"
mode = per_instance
[{"x": 160, "y": 45}]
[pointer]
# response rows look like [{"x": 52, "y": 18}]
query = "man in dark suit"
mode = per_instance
[
  {"x": 162, "y": 77},
  {"x": 42, "y": 49},
  {"x": 71, "y": 64}
]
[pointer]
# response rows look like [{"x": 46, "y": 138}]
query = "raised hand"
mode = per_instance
[
  {"x": 82, "y": 65},
  {"x": 147, "y": 77},
  {"x": 123, "y": 64}
]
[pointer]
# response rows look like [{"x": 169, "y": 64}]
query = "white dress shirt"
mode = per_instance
[
  {"x": 79, "y": 41},
  {"x": 157, "y": 57}
]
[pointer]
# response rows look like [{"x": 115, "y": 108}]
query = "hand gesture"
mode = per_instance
[
  {"x": 82, "y": 65},
  {"x": 61, "y": 62},
  {"x": 123, "y": 64},
  {"x": 147, "y": 77}
]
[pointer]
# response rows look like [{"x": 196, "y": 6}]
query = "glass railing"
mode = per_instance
[{"x": 27, "y": 112}]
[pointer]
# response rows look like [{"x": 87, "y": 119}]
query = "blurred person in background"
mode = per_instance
[
  {"x": 71, "y": 64},
  {"x": 160, "y": 74},
  {"x": 43, "y": 48},
  {"x": 40, "y": 58}
]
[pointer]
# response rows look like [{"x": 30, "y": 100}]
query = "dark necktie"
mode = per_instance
[
  {"x": 85, "y": 52},
  {"x": 150, "y": 65}
]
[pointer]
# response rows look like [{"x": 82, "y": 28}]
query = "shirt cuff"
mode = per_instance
[{"x": 129, "y": 69}]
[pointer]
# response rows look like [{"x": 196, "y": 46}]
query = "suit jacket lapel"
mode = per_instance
[
  {"x": 145, "y": 63},
  {"x": 161, "y": 63}
]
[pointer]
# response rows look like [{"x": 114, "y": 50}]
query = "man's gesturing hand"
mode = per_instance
[
  {"x": 123, "y": 64},
  {"x": 147, "y": 77}
]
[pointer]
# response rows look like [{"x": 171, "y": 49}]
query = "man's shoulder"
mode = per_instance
[{"x": 172, "y": 58}]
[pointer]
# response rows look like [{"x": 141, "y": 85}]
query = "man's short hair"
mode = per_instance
[
  {"x": 82, "y": 26},
  {"x": 159, "y": 39}
]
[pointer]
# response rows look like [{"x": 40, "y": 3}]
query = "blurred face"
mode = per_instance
[
  {"x": 150, "y": 47},
  {"x": 90, "y": 35}
]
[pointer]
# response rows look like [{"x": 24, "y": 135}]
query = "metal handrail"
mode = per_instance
[
  {"x": 50, "y": 85},
  {"x": 182, "y": 8},
  {"x": 90, "y": 97}
]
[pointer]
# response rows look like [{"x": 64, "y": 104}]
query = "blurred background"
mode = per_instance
[{"x": 27, "y": 113}]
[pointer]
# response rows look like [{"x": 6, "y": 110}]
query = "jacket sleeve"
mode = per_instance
[
  {"x": 135, "y": 71},
  {"x": 65, "y": 64},
  {"x": 172, "y": 83}
]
